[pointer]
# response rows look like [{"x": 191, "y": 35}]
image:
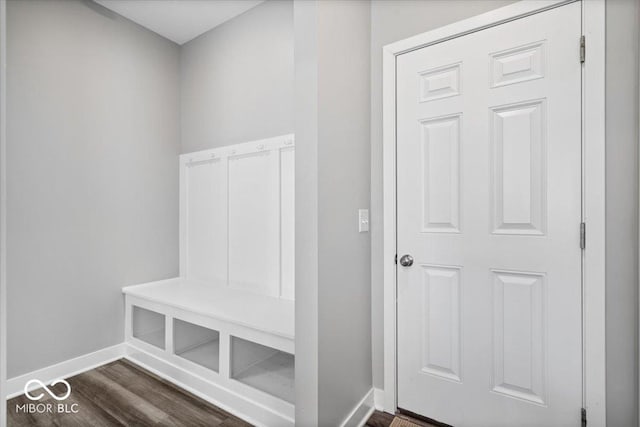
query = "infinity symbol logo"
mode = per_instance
[{"x": 42, "y": 385}]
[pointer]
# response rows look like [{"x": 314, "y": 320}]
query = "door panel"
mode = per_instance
[{"x": 489, "y": 206}]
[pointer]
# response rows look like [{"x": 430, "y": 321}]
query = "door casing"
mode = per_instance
[{"x": 593, "y": 189}]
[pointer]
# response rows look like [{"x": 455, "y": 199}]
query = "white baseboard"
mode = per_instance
[
  {"x": 66, "y": 369},
  {"x": 361, "y": 412},
  {"x": 378, "y": 399}
]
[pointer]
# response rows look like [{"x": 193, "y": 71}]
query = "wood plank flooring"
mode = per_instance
[
  {"x": 384, "y": 419},
  {"x": 380, "y": 419},
  {"x": 122, "y": 394}
]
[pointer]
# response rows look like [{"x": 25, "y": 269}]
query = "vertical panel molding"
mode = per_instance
[
  {"x": 519, "y": 335},
  {"x": 518, "y": 173},
  {"x": 441, "y": 329},
  {"x": 237, "y": 216},
  {"x": 441, "y": 174}
]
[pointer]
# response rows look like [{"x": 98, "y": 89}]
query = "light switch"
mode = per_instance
[{"x": 363, "y": 220}]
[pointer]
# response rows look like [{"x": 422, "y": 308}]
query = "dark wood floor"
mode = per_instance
[
  {"x": 380, "y": 419},
  {"x": 383, "y": 419},
  {"x": 123, "y": 394}
]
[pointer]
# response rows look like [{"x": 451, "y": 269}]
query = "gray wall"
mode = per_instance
[
  {"x": 622, "y": 211},
  {"x": 333, "y": 300},
  {"x": 344, "y": 289},
  {"x": 3, "y": 216},
  {"x": 306, "y": 199},
  {"x": 93, "y": 136},
  {"x": 237, "y": 79},
  {"x": 393, "y": 20}
]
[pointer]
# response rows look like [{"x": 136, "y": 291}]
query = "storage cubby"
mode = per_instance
[
  {"x": 263, "y": 368},
  {"x": 212, "y": 335},
  {"x": 197, "y": 344},
  {"x": 148, "y": 326}
]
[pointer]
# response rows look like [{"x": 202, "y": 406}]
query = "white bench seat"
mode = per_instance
[
  {"x": 233, "y": 347},
  {"x": 263, "y": 313}
]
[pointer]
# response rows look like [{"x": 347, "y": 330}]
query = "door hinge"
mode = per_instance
[
  {"x": 583, "y": 413},
  {"x": 583, "y": 235},
  {"x": 582, "y": 49},
  {"x": 395, "y": 259}
]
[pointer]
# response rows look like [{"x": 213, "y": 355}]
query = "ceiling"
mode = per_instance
[{"x": 179, "y": 20}]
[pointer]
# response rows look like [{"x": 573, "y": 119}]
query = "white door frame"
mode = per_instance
[{"x": 593, "y": 188}]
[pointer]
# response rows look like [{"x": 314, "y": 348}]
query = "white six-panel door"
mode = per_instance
[{"x": 489, "y": 207}]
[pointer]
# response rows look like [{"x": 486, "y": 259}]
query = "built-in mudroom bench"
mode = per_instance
[{"x": 224, "y": 329}]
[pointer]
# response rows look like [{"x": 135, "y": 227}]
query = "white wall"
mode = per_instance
[
  {"x": 393, "y": 20},
  {"x": 237, "y": 79},
  {"x": 333, "y": 301},
  {"x": 93, "y": 130}
]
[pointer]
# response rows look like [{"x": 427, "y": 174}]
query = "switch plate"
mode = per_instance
[{"x": 363, "y": 220}]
